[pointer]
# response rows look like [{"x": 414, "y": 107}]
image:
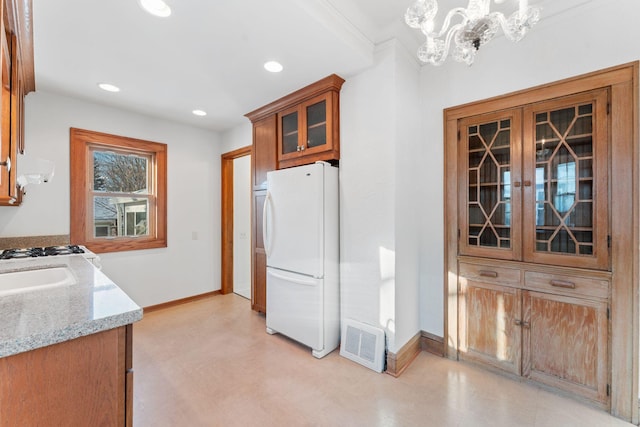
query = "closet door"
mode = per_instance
[
  {"x": 565, "y": 163},
  {"x": 489, "y": 185}
]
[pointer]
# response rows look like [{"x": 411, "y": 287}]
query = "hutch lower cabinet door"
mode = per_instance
[
  {"x": 565, "y": 343},
  {"x": 489, "y": 330}
]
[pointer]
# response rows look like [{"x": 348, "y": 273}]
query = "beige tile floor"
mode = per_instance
[{"x": 211, "y": 363}]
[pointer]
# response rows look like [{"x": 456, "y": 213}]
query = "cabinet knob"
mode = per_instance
[
  {"x": 516, "y": 184},
  {"x": 7, "y": 163}
]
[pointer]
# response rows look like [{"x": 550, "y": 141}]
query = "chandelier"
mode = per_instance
[{"x": 477, "y": 27}]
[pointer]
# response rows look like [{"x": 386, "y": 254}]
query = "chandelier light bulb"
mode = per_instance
[{"x": 465, "y": 30}]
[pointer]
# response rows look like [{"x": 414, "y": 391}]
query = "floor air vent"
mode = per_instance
[{"x": 363, "y": 344}]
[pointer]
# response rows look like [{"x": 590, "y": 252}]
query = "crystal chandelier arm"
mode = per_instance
[
  {"x": 519, "y": 23},
  {"x": 447, "y": 42},
  {"x": 504, "y": 24},
  {"x": 447, "y": 21}
]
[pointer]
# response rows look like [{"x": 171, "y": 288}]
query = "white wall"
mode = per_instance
[
  {"x": 237, "y": 137},
  {"x": 410, "y": 153},
  {"x": 595, "y": 36},
  {"x": 370, "y": 289},
  {"x": 190, "y": 265},
  {"x": 367, "y": 189}
]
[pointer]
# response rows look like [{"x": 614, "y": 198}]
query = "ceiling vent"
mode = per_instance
[{"x": 363, "y": 344}]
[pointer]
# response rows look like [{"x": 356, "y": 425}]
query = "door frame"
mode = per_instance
[{"x": 226, "y": 217}]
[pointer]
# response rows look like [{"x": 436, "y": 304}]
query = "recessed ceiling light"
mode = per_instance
[
  {"x": 273, "y": 66},
  {"x": 199, "y": 112},
  {"x": 108, "y": 87},
  {"x": 156, "y": 7}
]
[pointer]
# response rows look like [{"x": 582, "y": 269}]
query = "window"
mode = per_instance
[{"x": 118, "y": 192}]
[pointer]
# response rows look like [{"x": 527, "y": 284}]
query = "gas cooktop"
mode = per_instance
[{"x": 39, "y": 252}]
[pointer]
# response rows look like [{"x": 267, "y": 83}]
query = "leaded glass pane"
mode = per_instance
[
  {"x": 564, "y": 184},
  {"x": 489, "y": 184}
]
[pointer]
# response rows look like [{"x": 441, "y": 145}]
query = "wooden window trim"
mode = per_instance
[{"x": 81, "y": 143}]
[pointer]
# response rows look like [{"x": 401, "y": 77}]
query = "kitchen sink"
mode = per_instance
[{"x": 27, "y": 280}]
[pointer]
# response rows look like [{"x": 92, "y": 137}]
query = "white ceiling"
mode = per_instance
[{"x": 208, "y": 54}]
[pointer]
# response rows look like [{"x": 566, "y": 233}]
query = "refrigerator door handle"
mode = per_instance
[
  {"x": 297, "y": 280},
  {"x": 265, "y": 241}
]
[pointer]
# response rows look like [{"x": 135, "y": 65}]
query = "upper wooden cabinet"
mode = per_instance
[
  {"x": 534, "y": 185},
  {"x": 17, "y": 74},
  {"x": 307, "y": 124},
  {"x": 263, "y": 154}
]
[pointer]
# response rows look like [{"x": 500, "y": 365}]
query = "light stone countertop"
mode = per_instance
[{"x": 41, "y": 317}]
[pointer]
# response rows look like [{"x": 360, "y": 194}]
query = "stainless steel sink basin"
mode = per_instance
[{"x": 27, "y": 280}]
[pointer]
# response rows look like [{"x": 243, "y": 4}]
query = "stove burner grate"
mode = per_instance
[{"x": 39, "y": 252}]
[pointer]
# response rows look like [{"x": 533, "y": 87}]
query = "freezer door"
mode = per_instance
[
  {"x": 295, "y": 307},
  {"x": 293, "y": 219}
]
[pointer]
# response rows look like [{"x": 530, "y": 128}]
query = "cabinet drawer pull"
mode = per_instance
[
  {"x": 518, "y": 322},
  {"x": 563, "y": 284},
  {"x": 488, "y": 273}
]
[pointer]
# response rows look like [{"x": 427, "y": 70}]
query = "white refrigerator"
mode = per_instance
[{"x": 301, "y": 239}]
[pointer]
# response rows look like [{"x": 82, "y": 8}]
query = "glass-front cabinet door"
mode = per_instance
[
  {"x": 289, "y": 132},
  {"x": 565, "y": 181},
  {"x": 534, "y": 185},
  {"x": 489, "y": 190},
  {"x": 305, "y": 129}
]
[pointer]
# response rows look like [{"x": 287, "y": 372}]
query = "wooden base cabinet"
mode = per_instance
[
  {"x": 85, "y": 381},
  {"x": 554, "y": 338},
  {"x": 263, "y": 160},
  {"x": 259, "y": 270}
]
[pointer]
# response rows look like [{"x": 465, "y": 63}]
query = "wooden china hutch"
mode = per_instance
[
  {"x": 300, "y": 128},
  {"x": 541, "y": 225}
]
